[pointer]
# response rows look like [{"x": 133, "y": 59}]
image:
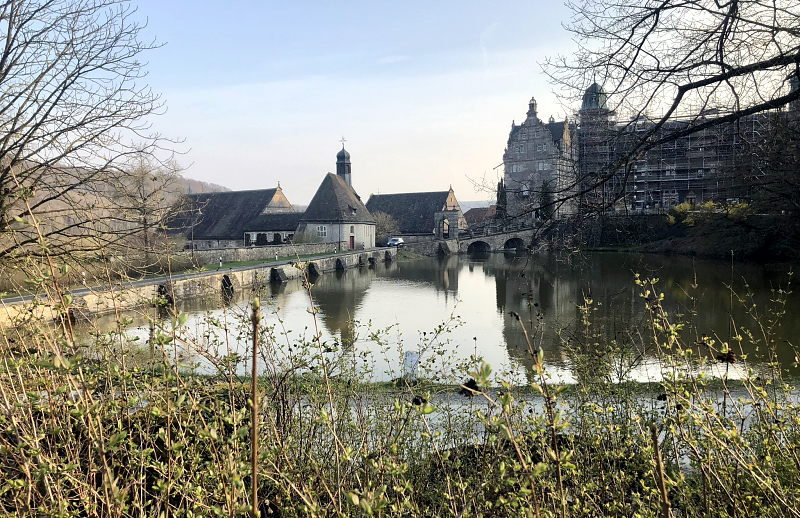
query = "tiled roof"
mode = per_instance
[
  {"x": 556, "y": 130},
  {"x": 284, "y": 222},
  {"x": 223, "y": 215},
  {"x": 335, "y": 201},
  {"x": 478, "y": 214},
  {"x": 413, "y": 211}
]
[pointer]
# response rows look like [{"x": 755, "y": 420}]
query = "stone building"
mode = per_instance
[
  {"x": 336, "y": 213},
  {"x": 718, "y": 163},
  {"x": 233, "y": 218},
  {"x": 538, "y": 167},
  {"x": 421, "y": 215}
]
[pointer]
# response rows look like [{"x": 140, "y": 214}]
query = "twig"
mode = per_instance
[{"x": 254, "y": 411}]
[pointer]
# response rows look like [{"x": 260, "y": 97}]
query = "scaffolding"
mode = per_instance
[{"x": 708, "y": 165}]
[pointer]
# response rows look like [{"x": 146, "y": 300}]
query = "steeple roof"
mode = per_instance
[{"x": 335, "y": 201}]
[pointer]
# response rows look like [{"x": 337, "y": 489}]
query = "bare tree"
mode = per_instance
[
  {"x": 146, "y": 201},
  {"x": 385, "y": 226},
  {"x": 73, "y": 117},
  {"x": 666, "y": 60}
]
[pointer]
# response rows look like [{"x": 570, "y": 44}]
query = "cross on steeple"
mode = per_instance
[{"x": 343, "y": 141}]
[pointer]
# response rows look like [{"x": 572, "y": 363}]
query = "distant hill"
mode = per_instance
[{"x": 190, "y": 186}]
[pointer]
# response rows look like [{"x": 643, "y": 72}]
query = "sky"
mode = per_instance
[{"x": 423, "y": 92}]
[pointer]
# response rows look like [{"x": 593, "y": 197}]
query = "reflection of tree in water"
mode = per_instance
[
  {"x": 618, "y": 338},
  {"x": 547, "y": 293},
  {"x": 338, "y": 295}
]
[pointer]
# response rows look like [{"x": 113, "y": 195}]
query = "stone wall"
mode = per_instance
[
  {"x": 433, "y": 247},
  {"x": 255, "y": 253},
  {"x": 100, "y": 300}
]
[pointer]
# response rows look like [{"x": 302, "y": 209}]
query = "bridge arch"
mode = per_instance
[
  {"x": 479, "y": 247},
  {"x": 515, "y": 243},
  {"x": 227, "y": 284}
]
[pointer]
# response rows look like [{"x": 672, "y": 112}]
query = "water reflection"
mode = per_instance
[{"x": 713, "y": 299}]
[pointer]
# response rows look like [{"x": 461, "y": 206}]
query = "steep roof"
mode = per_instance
[
  {"x": 224, "y": 215},
  {"x": 282, "y": 222},
  {"x": 413, "y": 211},
  {"x": 335, "y": 201},
  {"x": 556, "y": 130}
]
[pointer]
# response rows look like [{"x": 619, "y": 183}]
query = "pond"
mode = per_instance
[{"x": 585, "y": 311}]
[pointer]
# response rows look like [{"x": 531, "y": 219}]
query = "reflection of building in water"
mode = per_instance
[
  {"x": 542, "y": 298},
  {"x": 338, "y": 296},
  {"x": 547, "y": 294},
  {"x": 441, "y": 273}
]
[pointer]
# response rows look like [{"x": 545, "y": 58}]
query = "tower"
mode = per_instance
[
  {"x": 343, "y": 164},
  {"x": 531, "y": 110}
]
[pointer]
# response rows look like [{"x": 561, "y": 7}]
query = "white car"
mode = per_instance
[{"x": 396, "y": 241}]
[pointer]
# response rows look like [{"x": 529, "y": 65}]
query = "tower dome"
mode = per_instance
[
  {"x": 594, "y": 98},
  {"x": 343, "y": 165}
]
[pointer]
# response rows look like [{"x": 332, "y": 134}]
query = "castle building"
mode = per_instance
[
  {"x": 592, "y": 161},
  {"x": 537, "y": 163}
]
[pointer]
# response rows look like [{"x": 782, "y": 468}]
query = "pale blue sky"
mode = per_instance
[{"x": 424, "y": 92}]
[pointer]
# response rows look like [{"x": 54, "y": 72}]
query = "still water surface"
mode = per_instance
[{"x": 472, "y": 298}]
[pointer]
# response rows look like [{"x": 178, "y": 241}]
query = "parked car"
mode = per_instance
[{"x": 396, "y": 241}]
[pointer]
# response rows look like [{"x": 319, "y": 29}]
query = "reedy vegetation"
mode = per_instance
[{"x": 100, "y": 434}]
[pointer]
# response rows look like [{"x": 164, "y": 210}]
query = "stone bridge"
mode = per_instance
[{"x": 493, "y": 242}]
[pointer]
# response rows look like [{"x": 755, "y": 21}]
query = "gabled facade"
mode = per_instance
[
  {"x": 537, "y": 164},
  {"x": 422, "y": 213}
]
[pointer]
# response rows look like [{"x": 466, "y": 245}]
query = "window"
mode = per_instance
[
  {"x": 524, "y": 136},
  {"x": 352, "y": 229},
  {"x": 538, "y": 148},
  {"x": 542, "y": 166},
  {"x": 522, "y": 148},
  {"x": 322, "y": 231},
  {"x": 537, "y": 133},
  {"x": 701, "y": 173},
  {"x": 544, "y": 147},
  {"x": 517, "y": 168},
  {"x": 525, "y": 190}
]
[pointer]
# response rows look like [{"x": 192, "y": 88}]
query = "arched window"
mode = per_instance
[
  {"x": 352, "y": 229},
  {"x": 525, "y": 190}
]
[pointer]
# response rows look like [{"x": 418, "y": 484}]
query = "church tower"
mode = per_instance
[{"x": 343, "y": 165}]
